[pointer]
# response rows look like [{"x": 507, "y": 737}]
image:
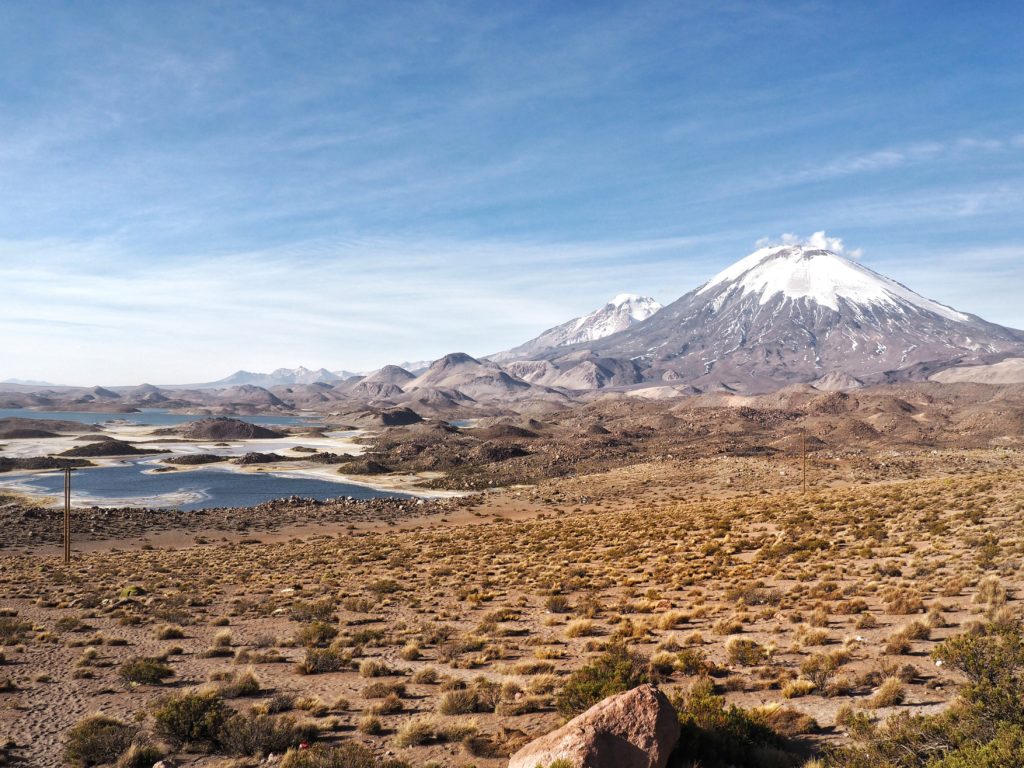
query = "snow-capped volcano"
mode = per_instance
[
  {"x": 622, "y": 312},
  {"x": 820, "y": 276},
  {"x": 789, "y": 314}
]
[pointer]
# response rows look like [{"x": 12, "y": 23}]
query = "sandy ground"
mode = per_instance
[{"x": 665, "y": 555}]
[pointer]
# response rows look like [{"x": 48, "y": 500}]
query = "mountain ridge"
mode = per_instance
[{"x": 794, "y": 314}]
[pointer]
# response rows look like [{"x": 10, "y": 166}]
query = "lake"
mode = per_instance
[
  {"x": 128, "y": 484},
  {"x": 155, "y": 417}
]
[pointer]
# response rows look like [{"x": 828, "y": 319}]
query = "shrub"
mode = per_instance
[
  {"x": 457, "y": 703},
  {"x": 381, "y": 689},
  {"x": 190, "y": 719},
  {"x": 145, "y": 670},
  {"x": 97, "y": 739},
  {"x": 692, "y": 661},
  {"x": 140, "y": 756},
  {"x": 745, "y": 652},
  {"x": 557, "y": 604},
  {"x": 13, "y": 630},
  {"x": 317, "y": 633},
  {"x": 797, "y": 688},
  {"x": 321, "y": 660},
  {"x": 373, "y": 668},
  {"x": 617, "y": 670},
  {"x": 371, "y": 725},
  {"x": 890, "y": 693},
  {"x": 425, "y": 676},
  {"x": 411, "y": 652},
  {"x": 322, "y": 610},
  {"x": 714, "y": 734},
  {"x": 580, "y": 628},
  {"x": 425, "y": 729},
  {"x": 170, "y": 632},
  {"x": 1006, "y": 749},
  {"x": 237, "y": 685},
  {"x": 819, "y": 669},
  {"x": 256, "y": 735},
  {"x": 348, "y": 755}
]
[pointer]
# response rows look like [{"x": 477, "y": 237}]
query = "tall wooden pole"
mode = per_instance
[
  {"x": 67, "y": 514},
  {"x": 803, "y": 448}
]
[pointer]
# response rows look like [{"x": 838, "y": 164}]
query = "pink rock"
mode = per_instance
[{"x": 635, "y": 729}]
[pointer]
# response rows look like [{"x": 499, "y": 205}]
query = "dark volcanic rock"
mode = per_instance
[
  {"x": 225, "y": 428},
  {"x": 254, "y": 457},
  {"x": 192, "y": 459},
  {"x": 110, "y": 447},
  {"x": 364, "y": 466},
  {"x": 40, "y": 462},
  {"x": 16, "y": 434},
  {"x": 14, "y": 424}
]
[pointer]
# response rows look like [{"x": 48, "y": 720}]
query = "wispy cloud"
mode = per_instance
[
  {"x": 347, "y": 184},
  {"x": 340, "y": 304}
]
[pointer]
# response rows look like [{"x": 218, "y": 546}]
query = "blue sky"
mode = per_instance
[{"x": 188, "y": 188}]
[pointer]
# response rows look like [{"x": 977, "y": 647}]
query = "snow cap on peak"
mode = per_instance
[{"x": 818, "y": 274}]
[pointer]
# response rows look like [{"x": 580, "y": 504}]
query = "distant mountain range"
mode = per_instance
[
  {"x": 619, "y": 314},
  {"x": 781, "y": 316},
  {"x": 791, "y": 314},
  {"x": 279, "y": 377}
]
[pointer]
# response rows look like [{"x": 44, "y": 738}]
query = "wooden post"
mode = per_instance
[
  {"x": 803, "y": 447},
  {"x": 67, "y": 514}
]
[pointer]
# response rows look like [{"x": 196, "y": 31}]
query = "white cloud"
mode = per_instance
[
  {"x": 82, "y": 313},
  {"x": 816, "y": 240}
]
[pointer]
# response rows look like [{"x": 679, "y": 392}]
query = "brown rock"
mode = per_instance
[{"x": 635, "y": 729}]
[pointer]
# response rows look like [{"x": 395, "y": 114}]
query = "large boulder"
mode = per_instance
[{"x": 635, "y": 729}]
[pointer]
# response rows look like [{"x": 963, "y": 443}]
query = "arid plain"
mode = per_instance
[{"x": 445, "y": 632}]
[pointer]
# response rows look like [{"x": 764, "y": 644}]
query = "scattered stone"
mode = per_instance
[{"x": 635, "y": 729}]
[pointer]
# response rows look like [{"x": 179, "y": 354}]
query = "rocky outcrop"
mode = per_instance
[
  {"x": 635, "y": 729},
  {"x": 222, "y": 428}
]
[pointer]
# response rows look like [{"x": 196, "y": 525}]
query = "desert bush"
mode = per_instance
[
  {"x": 617, "y": 669},
  {"x": 317, "y": 633},
  {"x": 236, "y": 685},
  {"x": 321, "y": 610},
  {"x": 255, "y": 734},
  {"x": 321, "y": 660},
  {"x": 145, "y": 670},
  {"x": 557, "y": 604},
  {"x": 890, "y": 693},
  {"x": 692, "y": 661},
  {"x": 425, "y": 676},
  {"x": 744, "y": 652},
  {"x": 190, "y": 718},
  {"x": 903, "y": 602},
  {"x": 457, "y": 703},
  {"x": 96, "y": 740},
  {"x": 170, "y": 632},
  {"x": 370, "y": 724},
  {"x": 13, "y": 630},
  {"x": 715, "y": 735},
  {"x": 389, "y": 705},
  {"x": 347, "y": 755},
  {"x": 411, "y": 652},
  {"x": 374, "y": 668},
  {"x": 819, "y": 669},
  {"x": 140, "y": 755},
  {"x": 426, "y": 729},
  {"x": 381, "y": 689},
  {"x": 730, "y": 626},
  {"x": 580, "y": 628},
  {"x": 796, "y": 688}
]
